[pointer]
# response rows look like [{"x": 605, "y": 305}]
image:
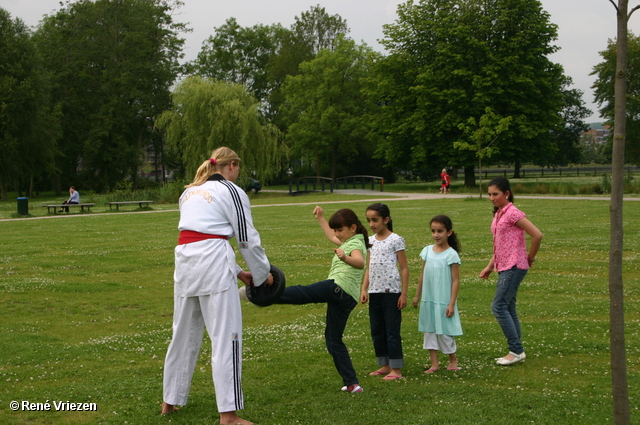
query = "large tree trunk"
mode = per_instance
[
  {"x": 318, "y": 165},
  {"x": 516, "y": 169},
  {"x": 57, "y": 185},
  {"x": 469, "y": 176},
  {"x": 620, "y": 391},
  {"x": 136, "y": 166}
]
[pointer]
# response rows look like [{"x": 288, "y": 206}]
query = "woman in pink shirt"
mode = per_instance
[{"x": 511, "y": 261}]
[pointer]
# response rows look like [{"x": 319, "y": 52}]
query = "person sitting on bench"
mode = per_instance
[{"x": 74, "y": 198}]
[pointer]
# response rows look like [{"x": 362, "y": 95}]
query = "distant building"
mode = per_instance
[{"x": 597, "y": 135}]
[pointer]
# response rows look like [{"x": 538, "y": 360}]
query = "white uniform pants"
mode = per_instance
[{"x": 222, "y": 316}]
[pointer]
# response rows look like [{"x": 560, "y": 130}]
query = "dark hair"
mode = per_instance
[
  {"x": 446, "y": 222},
  {"x": 346, "y": 218},
  {"x": 503, "y": 186},
  {"x": 383, "y": 211}
]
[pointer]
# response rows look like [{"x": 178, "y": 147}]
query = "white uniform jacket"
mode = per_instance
[{"x": 217, "y": 207}]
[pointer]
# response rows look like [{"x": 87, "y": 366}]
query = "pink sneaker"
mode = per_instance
[{"x": 355, "y": 388}]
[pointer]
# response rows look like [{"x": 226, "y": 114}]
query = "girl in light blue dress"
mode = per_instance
[{"x": 437, "y": 293}]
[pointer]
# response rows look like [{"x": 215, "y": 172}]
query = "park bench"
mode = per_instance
[
  {"x": 117, "y": 204},
  {"x": 55, "y": 207}
]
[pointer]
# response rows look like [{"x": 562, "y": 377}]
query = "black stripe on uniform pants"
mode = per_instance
[{"x": 237, "y": 388}]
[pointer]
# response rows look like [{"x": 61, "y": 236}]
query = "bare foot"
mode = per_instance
[
  {"x": 392, "y": 377},
  {"x": 168, "y": 408},
  {"x": 432, "y": 369},
  {"x": 453, "y": 362},
  {"x": 395, "y": 374},
  {"x": 231, "y": 418}
]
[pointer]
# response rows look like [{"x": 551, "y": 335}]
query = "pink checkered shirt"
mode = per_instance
[{"x": 509, "y": 244}]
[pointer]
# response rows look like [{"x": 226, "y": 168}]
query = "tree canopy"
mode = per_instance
[
  {"x": 207, "y": 114},
  {"x": 326, "y": 105},
  {"x": 450, "y": 60},
  {"x": 112, "y": 65},
  {"x": 29, "y": 124},
  {"x": 605, "y": 73},
  {"x": 240, "y": 55},
  {"x": 81, "y": 95}
]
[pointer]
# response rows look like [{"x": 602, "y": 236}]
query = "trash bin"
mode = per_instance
[{"x": 23, "y": 206}]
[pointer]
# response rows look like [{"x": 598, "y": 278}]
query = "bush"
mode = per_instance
[
  {"x": 606, "y": 183},
  {"x": 168, "y": 193}
]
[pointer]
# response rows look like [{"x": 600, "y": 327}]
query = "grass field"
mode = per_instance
[{"x": 87, "y": 306}]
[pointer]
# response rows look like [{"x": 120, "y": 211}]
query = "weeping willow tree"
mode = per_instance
[{"x": 208, "y": 114}]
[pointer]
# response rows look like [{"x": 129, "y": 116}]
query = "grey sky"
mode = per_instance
[{"x": 584, "y": 25}]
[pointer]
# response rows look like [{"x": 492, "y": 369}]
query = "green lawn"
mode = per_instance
[{"x": 87, "y": 305}]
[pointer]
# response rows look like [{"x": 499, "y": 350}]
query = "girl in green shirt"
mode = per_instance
[{"x": 341, "y": 289}]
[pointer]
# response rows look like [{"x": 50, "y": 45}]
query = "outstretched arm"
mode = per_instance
[{"x": 328, "y": 231}]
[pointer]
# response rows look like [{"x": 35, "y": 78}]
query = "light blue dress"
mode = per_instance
[{"x": 436, "y": 293}]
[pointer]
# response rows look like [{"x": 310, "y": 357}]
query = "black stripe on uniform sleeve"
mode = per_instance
[{"x": 242, "y": 219}]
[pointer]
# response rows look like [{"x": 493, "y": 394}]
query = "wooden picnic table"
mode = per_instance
[{"x": 118, "y": 203}]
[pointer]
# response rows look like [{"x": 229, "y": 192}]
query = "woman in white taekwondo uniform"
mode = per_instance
[{"x": 212, "y": 210}]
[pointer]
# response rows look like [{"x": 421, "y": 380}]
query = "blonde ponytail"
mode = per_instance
[{"x": 220, "y": 158}]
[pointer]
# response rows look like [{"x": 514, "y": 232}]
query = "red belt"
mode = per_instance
[{"x": 189, "y": 236}]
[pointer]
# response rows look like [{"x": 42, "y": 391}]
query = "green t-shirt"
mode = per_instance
[{"x": 347, "y": 277}]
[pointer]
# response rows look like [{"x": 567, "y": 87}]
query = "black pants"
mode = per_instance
[
  {"x": 68, "y": 203},
  {"x": 386, "y": 319},
  {"x": 339, "y": 307}
]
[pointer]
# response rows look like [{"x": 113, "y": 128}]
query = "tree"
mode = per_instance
[
  {"x": 208, "y": 114},
  {"x": 312, "y": 31},
  {"x": 318, "y": 30},
  {"x": 29, "y": 126},
  {"x": 326, "y": 104},
  {"x": 450, "y": 60},
  {"x": 604, "y": 86},
  {"x": 566, "y": 136},
  {"x": 112, "y": 65},
  {"x": 481, "y": 136},
  {"x": 240, "y": 55},
  {"x": 620, "y": 389}
]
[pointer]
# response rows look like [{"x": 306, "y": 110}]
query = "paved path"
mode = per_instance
[{"x": 374, "y": 197}]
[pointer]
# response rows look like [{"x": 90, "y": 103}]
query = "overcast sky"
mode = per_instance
[{"x": 584, "y": 25}]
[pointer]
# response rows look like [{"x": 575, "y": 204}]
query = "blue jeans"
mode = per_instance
[
  {"x": 339, "y": 307},
  {"x": 386, "y": 318},
  {"x": 504, "y": 306}
]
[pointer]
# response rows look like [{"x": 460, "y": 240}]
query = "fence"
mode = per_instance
[
  {"x": 306, "y": 180},
  {"x": 324, "y": 182},
  {"x": 362, "y": 180},
  {"x": 551, "y": 172}
]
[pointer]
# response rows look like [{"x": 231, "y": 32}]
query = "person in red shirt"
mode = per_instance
[{"x": 446, "y": 181}]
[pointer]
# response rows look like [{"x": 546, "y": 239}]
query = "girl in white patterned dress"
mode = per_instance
[{"x": 385, "y": 288}]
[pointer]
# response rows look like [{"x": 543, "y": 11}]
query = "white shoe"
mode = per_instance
[
  {"x": 516, "y": 358},
  {"x": 355, "y": 388},
  {"x": 522, "y": 356}
]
